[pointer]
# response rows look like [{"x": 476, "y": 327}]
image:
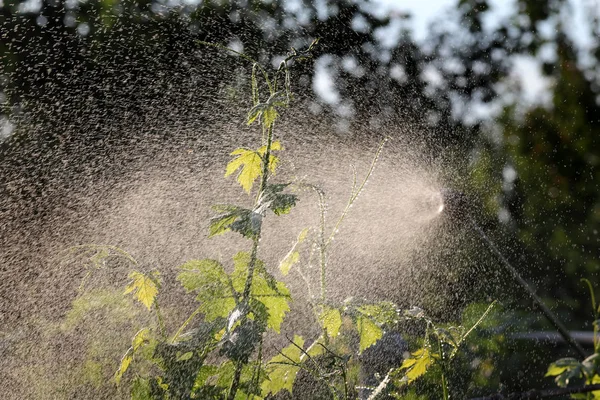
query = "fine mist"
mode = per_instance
[{"x": 147, "y": 184}]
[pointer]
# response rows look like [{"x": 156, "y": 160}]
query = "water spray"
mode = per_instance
[{"x": 457, "y": 206}]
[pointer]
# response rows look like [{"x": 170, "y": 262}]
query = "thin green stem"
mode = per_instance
[
  {"x": 443, "y": 363},
  {"x": 187, "y": 321},
  {"x": 159, "y": 317},
  {"x": 356, "y": 193}
]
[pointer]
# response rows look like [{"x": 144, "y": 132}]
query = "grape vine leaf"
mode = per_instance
[
  {"x": 144, "y": 287},
  {"x": 250, "y": 164},
  {"x": 417, "y": 365},
  {"x": 208, "y": 278},
  {"x": 283, "y": 368},
  {"x": 331, "y": 320},
  {"x": 245, "y": 222},
  {"x": 368, "y": 331}
]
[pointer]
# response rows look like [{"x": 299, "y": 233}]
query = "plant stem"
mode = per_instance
[
  {"x": 187, "y": 321},
  {"x": 253, "y": 257}
]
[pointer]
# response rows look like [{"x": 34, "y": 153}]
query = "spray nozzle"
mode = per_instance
[{"x": 454, "y": 203}]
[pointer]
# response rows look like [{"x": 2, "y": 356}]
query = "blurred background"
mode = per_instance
[{"x": 505, "y": 93}]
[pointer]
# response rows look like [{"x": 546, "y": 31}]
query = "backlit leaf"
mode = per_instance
[
  {"x": 286, "y": 264},
  {"x": 417, "y": 365},
  {"x": 209, "y": 279},
  {"x": 283, "y": 368},
  {"x": 331, "y": 320},
  {"x": 241, "y": 220},
  {"x": 144, "y": 287},
  {"x": 250, "y": 164},
  {"x": 125, "y": 362},
  {"x": 369, "y": 332}
]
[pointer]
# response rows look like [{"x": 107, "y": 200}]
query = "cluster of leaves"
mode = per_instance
[{"x": 567, "y": 370}]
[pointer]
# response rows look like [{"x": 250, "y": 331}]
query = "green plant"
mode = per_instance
[
  {"x": 218, "y": 351},
  {"x": 566, "y": 370}
]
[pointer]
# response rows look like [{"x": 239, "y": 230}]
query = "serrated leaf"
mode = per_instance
[
  {"x": 277, "y": 201},
  {"x": 144, "y": 287},
  {"x": 281, "y": 369},
  {"x": 209, "y": 279},
  {"x": 141, "y": 338},
  {"x": 269, "y": 116},
  {"x": 272, "y": 294},
  {"x": 245, "y": 222},
  {"x": 250, "y": 164},
  {"x": 417, "y": 365},
  {"x": 369, "y": 333},
  {"x": 331, "y": 320}
]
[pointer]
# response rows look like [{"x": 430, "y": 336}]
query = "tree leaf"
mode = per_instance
[
  {"x": 331, "y": 320},
  {"x": 283, "y": 368},
  {"x": 369, "y": 332},
  {"x": 144, "y": 287},
  {"x": 141, "y": 338},
  {"x": 417, "y": 365}
]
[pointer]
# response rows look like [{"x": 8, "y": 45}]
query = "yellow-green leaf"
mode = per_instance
[
  {"x": 331, "y": 320},
  {"x": 282, "y": 368},
  {"x": 143, "y": 287},
  {"x": 140, "y": 338},
  {"x": 417, "y": 365},
  {"x": 369, "y": 332},
  {"x": 554, "y": 370},
  {"x": 125, "y": 362},
  {"x": 251, "y": 167},
  {"x": 269, "y": 116}
]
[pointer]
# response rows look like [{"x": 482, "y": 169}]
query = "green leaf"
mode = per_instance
[
  {"x": 124, "y": 365},
  {"x": 283, "y": 368},
  {"x": 564, "y": 370},
  {"x": 142, "y": 337},
  {"x": 272, "y": 294},
  {"x": 269, "y": 116},
  {"x": 278, "y": 202},
  {"x": 241, "y": 220},
  {"x": 140, "y": 389},
  {"x": 331, "y": 320},
  {"x": 144, "y": 287},
  {"x": 250, "y": 164},
  {"x": 384, "y": 312},
  {"x": 369, "y": 332},
  {"x": 417, "y": 365},
  {"x": 209, "y": 279}
]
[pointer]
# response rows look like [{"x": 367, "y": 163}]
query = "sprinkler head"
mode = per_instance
[{"x": 454, "y": 203}]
